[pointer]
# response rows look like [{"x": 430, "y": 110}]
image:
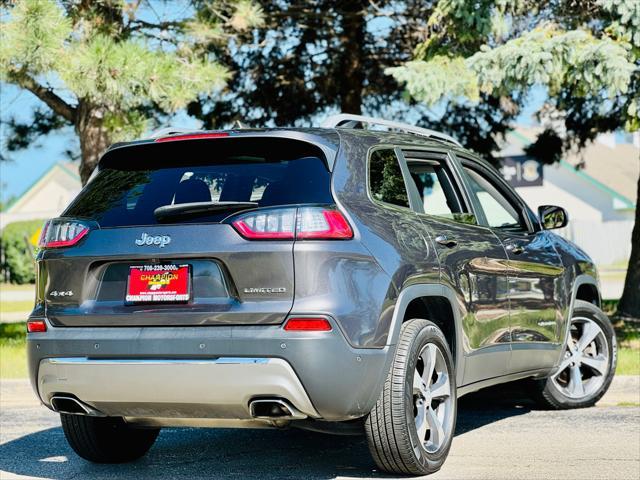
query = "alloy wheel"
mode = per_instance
[
  {"x": 585, "y": 364},
  {"x": 432, "y": 400}
]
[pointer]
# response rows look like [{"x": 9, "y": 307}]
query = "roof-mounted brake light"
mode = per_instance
[{"x": 191, "y": 136}]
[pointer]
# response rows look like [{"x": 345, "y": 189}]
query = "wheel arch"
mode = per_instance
[
  {"x": 585, "y": 287},
  {"x": 588, "y": 291},
  {"x": 434, "y": 302}
]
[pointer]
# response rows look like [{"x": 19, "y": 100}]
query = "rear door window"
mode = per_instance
[
  {"x": 133, "y": 182},
  {"x": 437, "y": 190}
]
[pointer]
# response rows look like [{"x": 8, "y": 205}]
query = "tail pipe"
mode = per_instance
[
  {"x": 274, "y": 409},
  {"x": 73, "y": 406}
]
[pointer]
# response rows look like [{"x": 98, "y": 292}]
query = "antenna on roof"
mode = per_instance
[{"x": 347, "y": 120}]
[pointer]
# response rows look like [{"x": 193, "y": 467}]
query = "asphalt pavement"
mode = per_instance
[{"x": 499, "y": 436}]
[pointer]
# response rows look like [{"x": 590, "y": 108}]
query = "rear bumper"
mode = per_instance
[
  {"x": 206, "y": 372},
  {"x": 184, "y": 388}
]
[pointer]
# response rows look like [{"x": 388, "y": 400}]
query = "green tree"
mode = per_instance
[
  {"x": 107, "y": 67},
  {"x": 18, "y": 253},
  {"x": 586, "y": 54},
  {"x": 331, "y": 56},
  {"x": 322, "y": 53}
]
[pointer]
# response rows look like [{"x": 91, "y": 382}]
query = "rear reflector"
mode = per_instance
[
  {"x": 307, "y": 325},
  {"x": 191, "y": 136},
  {"x": 305, "y": 223},
  {"x": 61, "y": 232},
  {"x": 36, "y": 326}
]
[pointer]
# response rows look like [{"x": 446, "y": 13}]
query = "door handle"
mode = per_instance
[
  {"x": 446, "y": 241},
  {"x": 514, "y": 248}
]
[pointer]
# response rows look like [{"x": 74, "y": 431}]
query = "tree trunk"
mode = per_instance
[
  {"x": 629, "y": 306},
  {"x": 352, "y": 40},
  {"x": 94, "y": 137}
]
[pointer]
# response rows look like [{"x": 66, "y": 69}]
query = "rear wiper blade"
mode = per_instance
[{"x": 195, "y": 208}]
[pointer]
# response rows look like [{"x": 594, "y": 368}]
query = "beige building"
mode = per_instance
[
  {"x": 47, "y": 197},
  {"x": 597, "y": 187}
]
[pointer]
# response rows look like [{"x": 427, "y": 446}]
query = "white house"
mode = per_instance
[
  {"x": 597, "y": 187},
  {"x": 47, "y": 197}
]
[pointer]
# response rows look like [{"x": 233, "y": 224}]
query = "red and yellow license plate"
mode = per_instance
[{"x": 158, "y": 283}]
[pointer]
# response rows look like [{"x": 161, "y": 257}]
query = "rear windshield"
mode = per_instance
[{"x": 133, "y": 182}]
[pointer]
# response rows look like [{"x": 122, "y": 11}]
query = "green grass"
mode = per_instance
[
  {"x": 8, "y": 287},
  {"x": 20, "y": 306},
  {"x": 628, "y": 361},
  {"x": 13, "y": 360},
  {"x": 13, "y": 353}
]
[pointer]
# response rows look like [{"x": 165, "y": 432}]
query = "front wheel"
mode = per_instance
[
  {"x": 587, "y": 365},
  {"x": 410, "y": 429},
  {"x": 106, "y": 439}
]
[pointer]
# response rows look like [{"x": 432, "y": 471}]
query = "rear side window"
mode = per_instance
[
  {"x": 134, "y": 181},
  {"x": 386, "y": 183}
]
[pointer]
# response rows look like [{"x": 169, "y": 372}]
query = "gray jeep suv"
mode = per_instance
[{"x": 337, "y": 279}]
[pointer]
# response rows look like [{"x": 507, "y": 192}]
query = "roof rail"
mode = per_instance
[
  {"x": 347, "y": 120},
  {"x": 166, "y": 131}
]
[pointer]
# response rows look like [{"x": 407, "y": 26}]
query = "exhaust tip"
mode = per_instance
[
  {"x": 73, "y": 406},
  {"x": 274, "y": 409}
]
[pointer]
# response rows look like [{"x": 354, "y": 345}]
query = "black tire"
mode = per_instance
[
  {"x": 547, "y": 394},
  {"x": 391, "y": 427},
  {"x": 106, "y": 439}
]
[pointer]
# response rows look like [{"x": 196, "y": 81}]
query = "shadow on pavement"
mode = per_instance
[{"x": 237, "y": 454}]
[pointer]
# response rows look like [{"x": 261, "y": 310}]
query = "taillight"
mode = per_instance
[
  {"x": 322, "y": 223},
  {"x": 305, "y": 223},
  {"x": 61, "y": 232},
  {"x": 276, "y": 224},
  {"x": 36, "y": 326},
  {"x": 305, "y": 324}
]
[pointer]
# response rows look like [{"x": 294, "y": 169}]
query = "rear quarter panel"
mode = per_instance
[{"x": 361, "y": 279}]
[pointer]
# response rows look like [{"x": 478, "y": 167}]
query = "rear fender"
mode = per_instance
[{"x": 427, "y": 290}]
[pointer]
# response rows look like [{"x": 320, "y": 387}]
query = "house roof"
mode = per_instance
[
  {"x": 67, "y": 168},
  {"x": 612, "y": 168}
]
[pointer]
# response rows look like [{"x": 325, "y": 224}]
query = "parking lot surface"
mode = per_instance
[{"x": 497, "y": 437}]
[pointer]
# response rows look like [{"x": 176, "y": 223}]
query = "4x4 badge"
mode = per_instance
[{"x": 160, "y": 240}]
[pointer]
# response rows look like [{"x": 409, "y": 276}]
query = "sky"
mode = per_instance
[{"x": 28, "y": 165}]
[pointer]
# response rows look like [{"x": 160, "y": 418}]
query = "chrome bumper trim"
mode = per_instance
[
  {"x": 219, "y": 387},
  {"x": 156, "y": 361}
]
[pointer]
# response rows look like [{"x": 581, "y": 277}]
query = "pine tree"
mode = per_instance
[
  {"x": 105, "y": 68},
  {"x": 586, "y": 54}
]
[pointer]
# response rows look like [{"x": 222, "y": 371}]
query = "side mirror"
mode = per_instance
[{"x": 552, "y": 217}]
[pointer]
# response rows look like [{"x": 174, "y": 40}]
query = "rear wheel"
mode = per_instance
[
  {"x": 587, "y": 365},
  {"x": 106, "y": 439},
  {"x": 410, "y": 429}
]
